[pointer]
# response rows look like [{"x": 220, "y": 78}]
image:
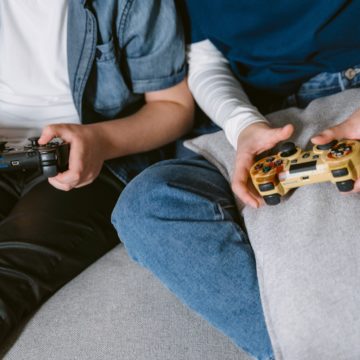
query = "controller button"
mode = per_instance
[
  {"x": 306, "y": 155},
  {"x": 34, "y": 141},
  {"x": 258, "y": 166},
  {"x": 340, "y": 172},
  {"x": 287, "y": 149},
  {"x": 338, "y": 153},
  {"x": 266, "y": 187},
  {"x": 345, "y": 186},
  {"x": 278, "y": 162},
  {"x": 15, "y": 163},
  {"x": 315, "y": 156},
  {"x": 273, "y": 199},
  {"x": 270, "y": 159},
  {"x": 294, "y": 161},
  {"x": 327, "y": 146},
  {"x": 266, "y": 169}
]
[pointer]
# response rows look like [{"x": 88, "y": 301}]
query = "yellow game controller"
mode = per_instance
[{"x": 337, "y": 161}]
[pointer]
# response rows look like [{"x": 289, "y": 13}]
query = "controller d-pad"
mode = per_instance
[
  {"x": 270, "y": 159},
  {"x": 266, "y": 169}
]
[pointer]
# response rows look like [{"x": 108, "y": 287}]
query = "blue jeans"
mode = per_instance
[
  {"x": 178, "y": 219},
  {"x": 325, "y": 84}
]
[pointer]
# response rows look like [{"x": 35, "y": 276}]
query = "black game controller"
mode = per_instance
[{"x": 49, "y": 159}]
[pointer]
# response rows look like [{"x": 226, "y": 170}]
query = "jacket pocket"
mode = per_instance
[{"x": 107, "y": 91}]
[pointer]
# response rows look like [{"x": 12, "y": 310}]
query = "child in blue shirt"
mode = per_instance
[{"x": 246, "y": 59}]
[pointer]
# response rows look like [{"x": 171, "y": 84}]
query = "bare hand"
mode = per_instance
[
  {"x": 85, "y": 161},
  {"x": 254, "y": 140},
  {"x": 348, "y": 129}
]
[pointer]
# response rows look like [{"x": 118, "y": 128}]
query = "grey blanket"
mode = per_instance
[{"x": 307, "y": 248}]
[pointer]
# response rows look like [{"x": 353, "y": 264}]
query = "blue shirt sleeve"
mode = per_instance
[{"x": 154, "y": 45}]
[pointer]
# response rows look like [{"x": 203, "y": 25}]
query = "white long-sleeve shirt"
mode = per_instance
[{"x": 218, "y": 92}]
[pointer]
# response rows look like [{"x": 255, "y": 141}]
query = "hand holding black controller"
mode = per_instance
[{"x": 50, "y": 158}]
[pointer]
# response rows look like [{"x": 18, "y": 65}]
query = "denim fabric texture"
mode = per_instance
[
  {"x": 325, "y": 84},
  {"x": 178, "y": 219},
  {"x": 117, "y": 51}
]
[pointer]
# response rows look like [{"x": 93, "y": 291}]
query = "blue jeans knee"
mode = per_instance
[
  {"x": 179, "y": 219},
  {"x": 166, "y": 192}
]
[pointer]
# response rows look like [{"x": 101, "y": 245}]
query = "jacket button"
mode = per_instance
[{"x": 350, "y": 73}]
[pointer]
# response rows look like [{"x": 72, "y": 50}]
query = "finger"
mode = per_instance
[
  {"x": 283, "y": 133},
  {"x": 245, "y": 195},
  {"x": 278, "y": 135},
  {"x": 240, "y": 181},
  {"x": 64, "y": 182},
  {"x": 68, "y": 177},
  {"x": 327, "y": 136},
  {"x": 48, "y": 133},
  {"x": 85, "y": 183},
  {"x": 59, "y": 185},
  {"x": 75, "y": 174},
  {"x": 357, "y": 186}
]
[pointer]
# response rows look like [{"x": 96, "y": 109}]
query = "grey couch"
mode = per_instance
[{"x": 117, "y": 310}]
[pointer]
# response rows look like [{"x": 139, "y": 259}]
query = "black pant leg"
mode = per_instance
[
  {"x": 8, "y": 196},
  {"x": 48, "y": 238}
]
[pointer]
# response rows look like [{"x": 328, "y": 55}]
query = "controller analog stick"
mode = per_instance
[
  {"x": 34, "y": 141},
  {"x": 327, "y": 146},
  {"x": 287, "y": 149}
]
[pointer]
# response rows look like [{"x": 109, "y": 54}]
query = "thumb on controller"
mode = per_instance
[
  {"x": 280, "y": 134},
  {"x": 333, "y": 133},
  {"x": 327, "y": 136}
]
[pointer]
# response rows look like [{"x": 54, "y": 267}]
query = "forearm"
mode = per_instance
[
  {"x": 218, "y": 92},
  {"x": 155, "y": 124}
]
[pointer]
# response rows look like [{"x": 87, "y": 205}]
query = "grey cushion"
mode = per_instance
[
  {"x": 117, "y": 310},
  {"x": 307, "y": 248}
]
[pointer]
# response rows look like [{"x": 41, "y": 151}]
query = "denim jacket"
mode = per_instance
[{"x": 117, "y": 51}]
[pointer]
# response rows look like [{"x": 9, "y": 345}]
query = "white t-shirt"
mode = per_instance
[{"x": 34, "y": 81}]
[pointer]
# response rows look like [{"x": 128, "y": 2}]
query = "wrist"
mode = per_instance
[
  {"x": 98, "y": 136},
  {"x": 251, "y": 131}
]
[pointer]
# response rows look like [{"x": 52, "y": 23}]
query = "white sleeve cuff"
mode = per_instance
[{"x": 236, "y": 123}]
